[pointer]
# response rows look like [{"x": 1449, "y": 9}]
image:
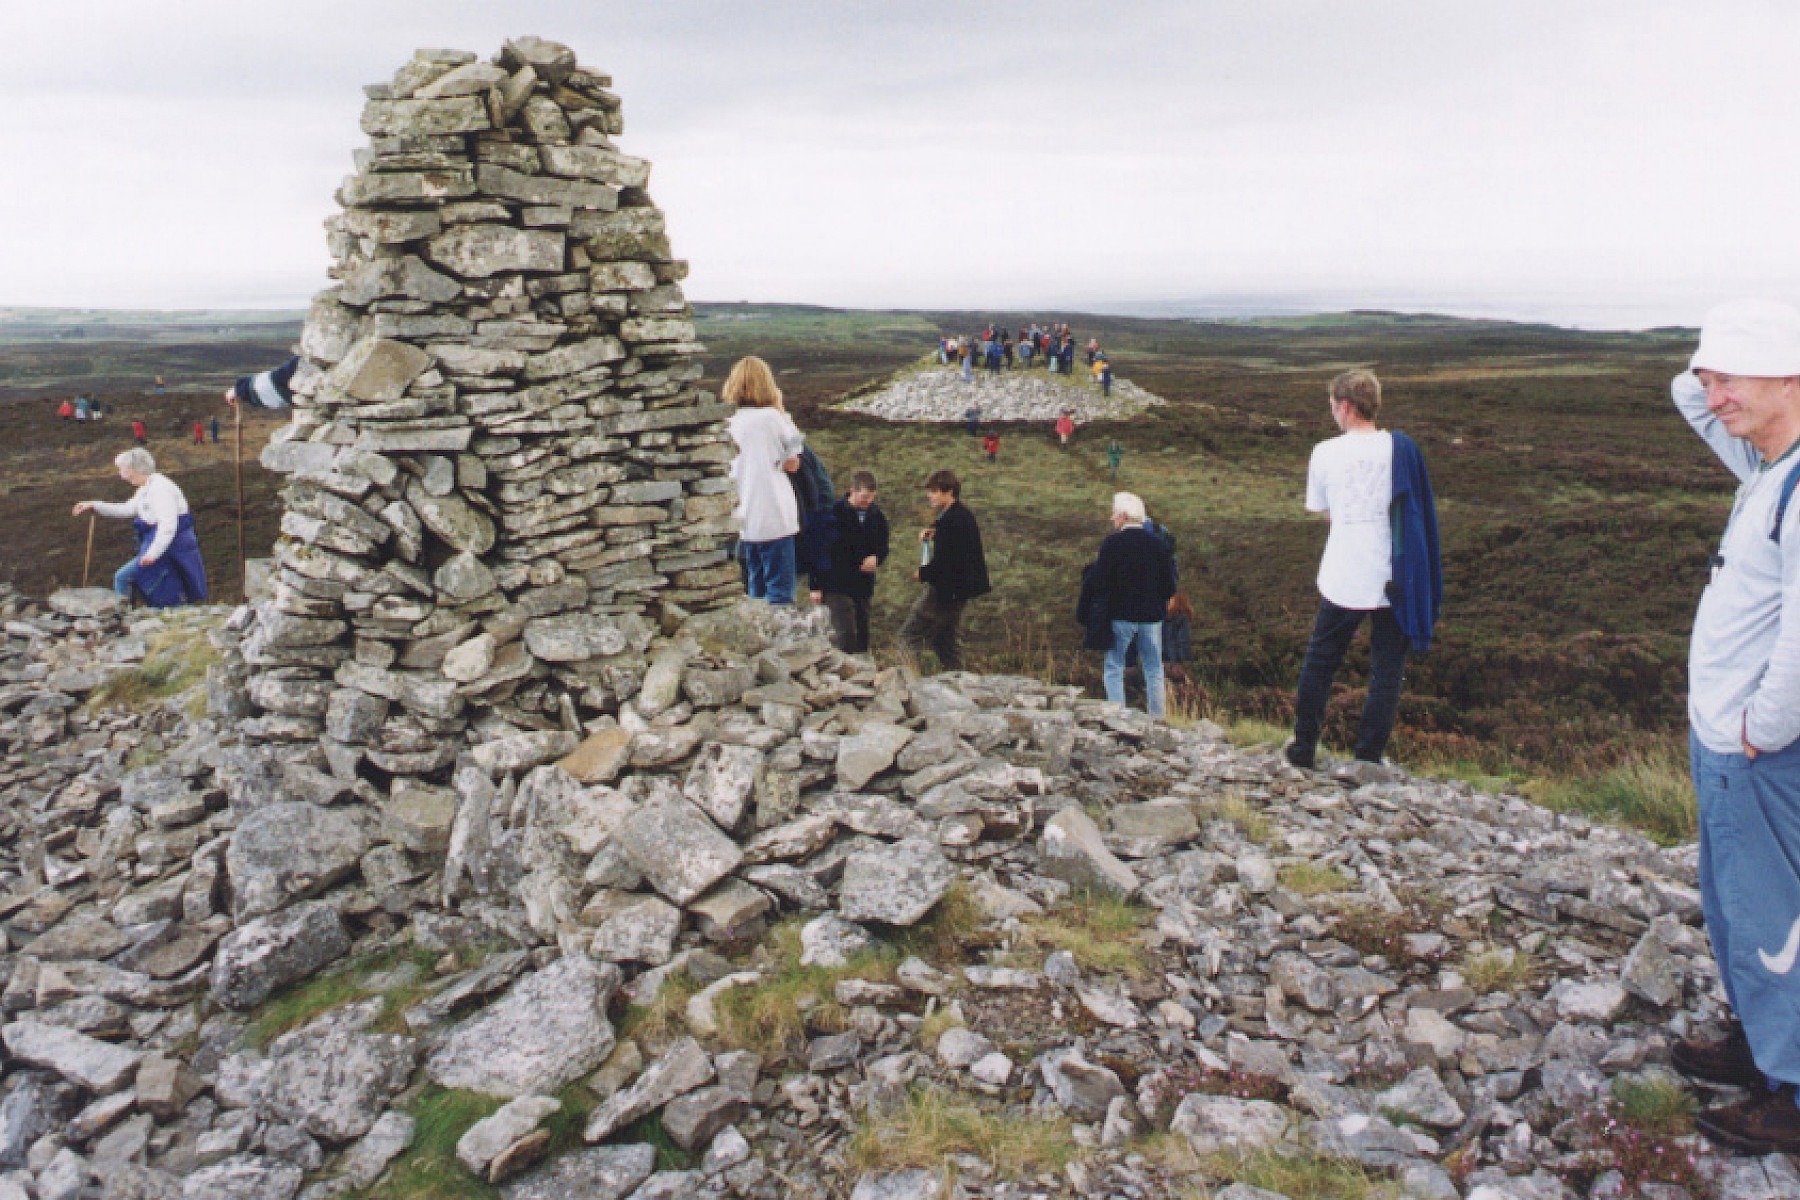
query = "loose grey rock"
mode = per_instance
[
  {"x": 895, "y": 885},
  {"x": 548, "y": 1030}
]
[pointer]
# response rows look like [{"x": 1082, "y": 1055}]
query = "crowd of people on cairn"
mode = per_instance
[{"x": 995, "y": 349}]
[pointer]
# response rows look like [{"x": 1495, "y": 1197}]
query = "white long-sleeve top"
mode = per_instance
[
  {"x": 1744, "y": 659},
  {"x": 765, "y": 437},
  {"x": 158, "y": 502}
]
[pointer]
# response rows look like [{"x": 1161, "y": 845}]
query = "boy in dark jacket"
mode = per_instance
[
  {"x": 955, "y": 569},
  {"x": 846, "y": 585}
]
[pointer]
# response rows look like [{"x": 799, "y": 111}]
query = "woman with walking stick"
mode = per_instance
[{"x": 166, "y": 570}]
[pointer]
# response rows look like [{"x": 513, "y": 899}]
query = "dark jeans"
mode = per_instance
[
  {"x": 937, "y": 622},
  {"x": 849, "y": 622},
  {"x": 1333, "y": 629}
]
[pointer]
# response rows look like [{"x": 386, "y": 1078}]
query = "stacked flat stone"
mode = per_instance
[{"x": 499, "y": 459}]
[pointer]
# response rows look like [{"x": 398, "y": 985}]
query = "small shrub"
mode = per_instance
[
  {"x": 933, "y": 1125},
  {"x": 1654, "y": 1104},
  {"x": 1496, "y": 969},
  {"x": 1643, "y": 1135}
]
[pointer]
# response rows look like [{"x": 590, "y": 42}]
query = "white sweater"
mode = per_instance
[
  {"x": 159, "y": 502},
  {"x": 765, "y": 437}
]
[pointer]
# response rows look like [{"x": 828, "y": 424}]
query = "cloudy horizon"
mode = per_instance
[{"x": 1608, "y": 164}]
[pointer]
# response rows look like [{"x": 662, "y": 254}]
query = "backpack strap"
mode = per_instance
[{"x": 1781, "y": 504}]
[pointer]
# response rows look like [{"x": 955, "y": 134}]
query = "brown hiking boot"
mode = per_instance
[
  {"x": 1726, "y": 1061},
  {"x": 1765, "y": 1123}
]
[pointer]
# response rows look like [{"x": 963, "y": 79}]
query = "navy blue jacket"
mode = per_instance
[
  {"x": 855, "y": 540},
  {"x": 958, "y": 568},
  {"x": 1134, "y": 576},
  {"x": 1418, "y": 574}
]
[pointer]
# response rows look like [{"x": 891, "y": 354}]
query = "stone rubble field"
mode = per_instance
[
  {"x": 938, "y": 393},
  {"x": 572, "y": 922}
]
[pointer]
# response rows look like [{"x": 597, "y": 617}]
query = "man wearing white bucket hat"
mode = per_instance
[{"x": 1742, "y": 396}]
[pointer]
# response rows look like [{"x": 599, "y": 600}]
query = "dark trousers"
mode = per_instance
[
  {"x": 1333, "y": 629},
  {"x": 937, "y": 622},
  {"x": 849, "y": 622}
]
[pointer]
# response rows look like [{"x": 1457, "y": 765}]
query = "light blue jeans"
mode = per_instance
[
  {"x": 1750, "y": 893},
  {"x": 1148, "y": 637},
  {"x": 125, "y": 578},
  {"x": 771, "y": 570}
]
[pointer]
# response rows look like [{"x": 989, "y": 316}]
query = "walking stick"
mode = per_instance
[
  {"x": 88, "y": 561},
  {"x": 237, "y": 467}
]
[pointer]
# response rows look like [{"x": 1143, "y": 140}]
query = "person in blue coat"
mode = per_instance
[
  {"x": 1380, "y": 563},
  {"x": 167, "y": 569},
  {"x": 846, "y": 585}
]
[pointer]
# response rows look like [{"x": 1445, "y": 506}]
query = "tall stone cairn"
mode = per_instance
[{"x": 499, "y": 463}]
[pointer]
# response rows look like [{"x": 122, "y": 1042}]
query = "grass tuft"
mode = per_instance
[
  {"x": 1100, "y": 930},
  {"x": 1234, "y": 807},
  {"x": 1496, "y": 969},
  {"x": 176, "y": 660},
  {"x": 776, "y": 1014},
  {"x": 429, "y": 1167},
  {"x": 1299, "y": 1176},
  {"x": 933, "y": 1125},
  {"x": 1651, "y": 791},
  {"x": 1314, "y": 879},
  {"x": 1655, "y": 1104},
  {"x": 294, "y": 1006}
]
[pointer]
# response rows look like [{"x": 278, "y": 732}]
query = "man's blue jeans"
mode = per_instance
[
  {"x": 1147, "y": 636},
  {"x": 125, "y": 578},
  {"x": 1750, "y": 893},
  {"x": 771, "y": 570},
  {"x": 1333, "y": 628}
]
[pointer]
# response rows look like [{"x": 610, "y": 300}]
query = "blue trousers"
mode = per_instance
[
  {"x": 1147, "y": 637},
  {"x": 1750, "y": 893},
  {"x": 125, "y": 577},
  {"x": 771, "y": 570}
]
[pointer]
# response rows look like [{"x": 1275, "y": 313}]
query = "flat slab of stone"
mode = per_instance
[
  {"x": 597, "y": 1173},
  {"x": 96, "y": 1065},
  {"x": 549, "y": 1030},
  {"x": 290, "y": 851},
  {"x": 677, "y": 848},
  {"x": 869, "y": 752},
  {"x": 1074, "y": 851},
  {"x": 268, "y": 953},
  {"x": 895, "y": 885}
]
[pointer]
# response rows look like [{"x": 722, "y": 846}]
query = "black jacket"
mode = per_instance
[
  {"x": 1134, "y": 575},
  {"x": 855, "y": 540},
  {"x": 958, "y": 569}
]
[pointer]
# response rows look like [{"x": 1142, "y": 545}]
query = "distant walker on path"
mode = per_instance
[
  {"x": 1742, "y": 396},
  {"x": 1381, "y": 562}
]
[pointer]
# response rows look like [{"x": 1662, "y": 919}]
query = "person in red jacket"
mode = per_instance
[
  {"x": 1065, "y": 426},
  {"x": 991, "y": 443},
  {"x": 199, "y": 433},
  {"x": 139, "y": 434}
]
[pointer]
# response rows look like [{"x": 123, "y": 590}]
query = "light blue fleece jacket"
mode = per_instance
[{"x": 1744, "y": 659}]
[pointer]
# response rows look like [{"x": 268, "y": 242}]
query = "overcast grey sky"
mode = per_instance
[{"x": 1594, "y": 162}]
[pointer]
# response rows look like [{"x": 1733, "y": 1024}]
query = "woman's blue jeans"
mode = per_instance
[
  {"x": 771, "y": 570},
  {"x": 1147, "y": 637},
  {"x": 1333, "y": 629}
]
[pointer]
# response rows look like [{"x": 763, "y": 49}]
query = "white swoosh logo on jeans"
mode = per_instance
[{"x": 1782, "y": 963}]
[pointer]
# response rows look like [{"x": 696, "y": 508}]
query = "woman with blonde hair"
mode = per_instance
[{"x": 768, "y": 444}]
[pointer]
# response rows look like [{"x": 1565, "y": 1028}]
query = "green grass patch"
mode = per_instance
[
  {"x": 175, "y": 661},
  {"x": 933, "y": 1125},
  {"x": 1236, "y": 808},
  {"x": 1313, "y": 879},
  {"x": 665, "y": 1015},
  {"x": 1101, "y": 931},
  {"x": 1300, "y": 1176},
  {"x": 1245, "y": 732},
  {"x": 1651, "y": 791},
  {"x": 791, "y": 1001},
  {"x": 294, "y": 1006},
  {"x": 1655, "y": 1104},
  {"x": 429, "y": 1170}
]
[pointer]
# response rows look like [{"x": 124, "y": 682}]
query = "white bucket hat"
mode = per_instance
[{"x": 1758, "y": 338}]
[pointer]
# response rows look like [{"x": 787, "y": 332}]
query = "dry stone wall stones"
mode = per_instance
[
  {"x": 897, "y": 884},
  {"x": 496, "y": 400},
  {"x": 677, "y": 849},
  {"x": 268, "y": 953}
]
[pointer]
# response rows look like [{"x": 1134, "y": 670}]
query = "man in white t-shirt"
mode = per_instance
[{"x": 1350, "y": 481}]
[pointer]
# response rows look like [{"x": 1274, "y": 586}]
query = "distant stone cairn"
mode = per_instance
[{"x": 499, "y": 462}]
